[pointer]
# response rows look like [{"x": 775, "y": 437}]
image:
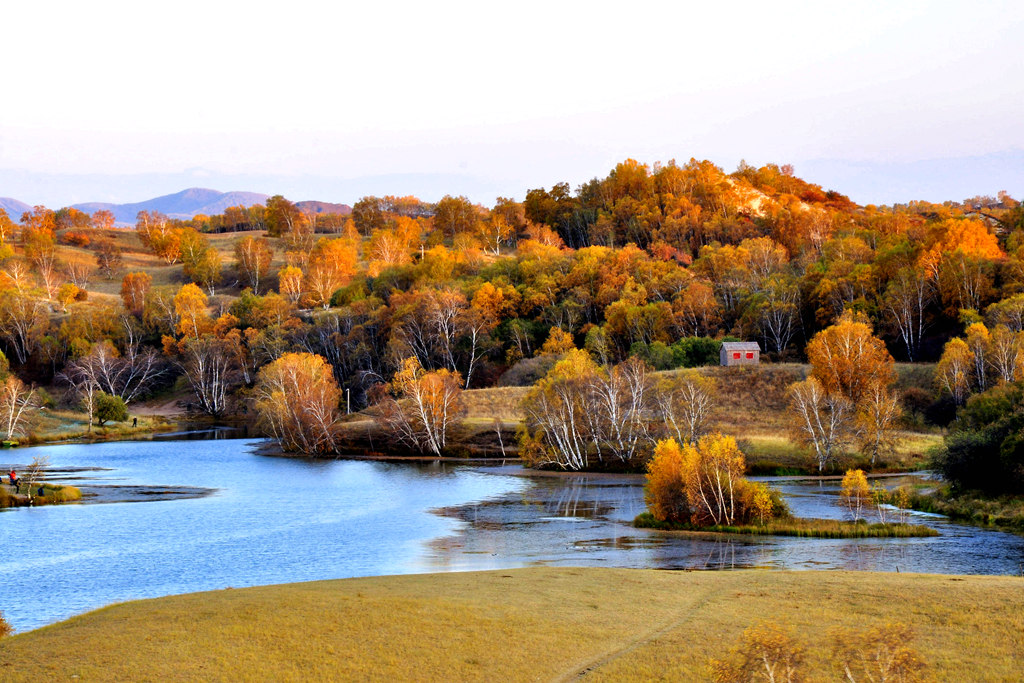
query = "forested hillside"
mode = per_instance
[{"x": 402, "y": 293}]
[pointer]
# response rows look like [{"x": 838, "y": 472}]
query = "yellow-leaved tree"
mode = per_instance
[
  {"x": 297, "y": 402},
  {"x": 703, "y": 485},
  {"x": 849, "y": 393},
  {"x": 421, "y": 407}
]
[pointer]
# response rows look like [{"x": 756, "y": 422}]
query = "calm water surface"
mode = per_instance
[{"x": 275, "y": 520}]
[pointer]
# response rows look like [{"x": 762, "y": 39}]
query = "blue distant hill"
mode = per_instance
[
  {"x": 184, "y": 204},
  {"x": 14, "y": 208}
]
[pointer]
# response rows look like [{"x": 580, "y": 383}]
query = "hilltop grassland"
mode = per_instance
[{"x": 524, "y": 624}]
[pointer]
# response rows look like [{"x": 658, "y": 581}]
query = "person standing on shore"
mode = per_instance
[{"x": 14, "y": 479}]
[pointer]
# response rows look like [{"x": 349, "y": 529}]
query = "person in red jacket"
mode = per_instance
[{"x": 14, "y": 479}]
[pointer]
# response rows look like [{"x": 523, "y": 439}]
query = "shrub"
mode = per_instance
[
  {"x": 766, "y": 652},
  {"x": 76, "y": 238},
  {"x": 5, "y": 628},
  {"x": 107, "y": 408},
  {"x": 657, "y": 354},
  {"x": 352, "y": 292},
  {"x": 692, "y": 352}
]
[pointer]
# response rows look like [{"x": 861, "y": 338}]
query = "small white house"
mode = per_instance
[{"x": 739, "y": 353}]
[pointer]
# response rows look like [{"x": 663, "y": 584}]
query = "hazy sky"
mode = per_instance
[{"x": 504, "y": 97}]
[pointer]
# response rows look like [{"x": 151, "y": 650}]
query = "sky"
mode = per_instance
[{"x": 884, "y": 101}]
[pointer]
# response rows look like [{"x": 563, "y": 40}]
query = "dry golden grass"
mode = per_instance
[
  {"x": 501, "y": 402},
  {"x": 525, "y": 624},
  {"x": 65, "y": 425},
  {"x": 753, "y": 400},
  {"x": 751, "y": 404}
]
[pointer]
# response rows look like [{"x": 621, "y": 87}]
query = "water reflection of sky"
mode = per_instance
[{"x": 586, "y": 520}]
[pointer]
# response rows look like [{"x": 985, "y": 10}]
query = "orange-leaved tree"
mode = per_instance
[
  {"x": 190, "y": 304},
  {"x": 847, "y": 358},
  {"x": 421, "y": 407},
  {"x": 331, "y": 265},
  {"x": 134, "y": 287},
  {"x": 297, "y": 401}
]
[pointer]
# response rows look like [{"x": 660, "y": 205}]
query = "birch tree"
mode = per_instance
[
  {"x": 297, "y": 402},
  {"x": 684, "y": 403},
  {"x": 820, "y": 420},
  {"x": 17, "y": 401},
  {"x": 422, "y": 407}
]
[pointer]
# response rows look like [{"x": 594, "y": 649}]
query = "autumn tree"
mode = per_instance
[
  {"x": 23, "y": 322},
  {"x": 421, "y": 407},
  {"x": 134, "y": 287},
  {"x": 846, "y": 358},
  {"x": 156, "y": 233},
  {"x": 454, "y": 215},
  {"x": 1006, "y": 353},
  {"x": 665, "y": 491},
  {"x": 205, "y": 269},
  {"x": 67, "y": 293},
  {"x": 875, "y": 421},
  {"x": 40, "y": 248},
  {"x": 252, "y": 260},
  {"x": 978, "y": 341},
  {"x": 7, "y": 227},
  {"x": 387, "y": 249},
  {"x": 109, "y": 258},
  {"x": 684, "y": 401},
  {"x": 906, "y": 300},
  {"x": 953, "y": 372},
  {"x": 855, "y": 492},
  {"x": 79, "y": 273},
  {"x": 280, "y": 216},
  {"x": 703, "y": 484},
  {"x": 190, "y": 306},
  {"x": 558, "y": 342},
  {"x": 331, "y": 265},
  {"x": 103, "y": 220},
  {"x": 296, "y": 398},
  {"x": 210, "y": 364},
  {"x": 128, "y": 376},
  {"x": 581, "y": 411},
  {"x": 290, "y": 283}
]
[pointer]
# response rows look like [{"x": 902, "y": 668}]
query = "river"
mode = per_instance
[{"x": 220, "y": 514}]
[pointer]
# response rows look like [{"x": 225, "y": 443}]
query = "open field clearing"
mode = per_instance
[{"x": 524, "y": 624}]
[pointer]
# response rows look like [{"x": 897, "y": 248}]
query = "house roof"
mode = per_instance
[{"x": 741, "y": 346}]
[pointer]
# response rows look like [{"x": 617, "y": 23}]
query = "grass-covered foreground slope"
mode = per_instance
[{"x": 526, "y": 624}]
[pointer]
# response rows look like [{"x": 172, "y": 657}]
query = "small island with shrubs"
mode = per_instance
[{"x": 701, "y": 487}]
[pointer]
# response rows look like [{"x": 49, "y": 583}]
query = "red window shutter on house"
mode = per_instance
[
  {"x": 750, "y": 355},
  {"x": 736, "y": 355}
]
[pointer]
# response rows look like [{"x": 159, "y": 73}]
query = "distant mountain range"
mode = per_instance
[
  {"x": 182, "y": 205},
  {"x": 14, "y": 208}
]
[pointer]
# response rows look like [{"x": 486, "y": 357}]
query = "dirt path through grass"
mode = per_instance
[{"x": 619, "y": 650}]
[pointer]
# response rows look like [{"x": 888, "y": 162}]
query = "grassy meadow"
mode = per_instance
[{"x": 552, "y": 624}]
